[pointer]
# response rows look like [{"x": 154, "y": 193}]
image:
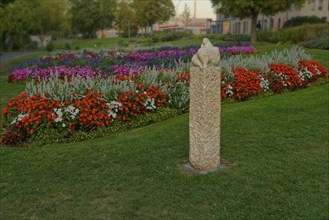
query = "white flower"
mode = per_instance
[
  {"x": 113, "y": 108},
  {"x": 58, "y": 119},
  {"x": 149, "y": 104},
  {"x": 59, "y": 114},
  {"x": 19, "y": 118}
]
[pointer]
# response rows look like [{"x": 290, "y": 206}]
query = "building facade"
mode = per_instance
[
  {"x": 195, "y": 25},
  {"x": 318, "y": 8}
]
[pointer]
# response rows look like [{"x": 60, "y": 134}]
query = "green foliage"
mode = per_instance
[
  {"x": 164, "y": 36},
  {"x": 51, "y": 135},
  {"x": 252, "y": 8},
  {"x": 318, "y": 43},
  {"x": 67, "y": 46},
  {"x": 243, "y": 9},
  {"x": 39, "y": 17},
  {"x": 3, "y": 3},
  {"x": 15, "y": 25},
  {"x": 234, "y": 37},
  {"x": 90, "y": 16},
  {"x": 48, "y": 18},
  {"x": 295, "y": 34},
  {"x": 277, "y": 169},
  {"x": 169, "y": 35},
  {"x": 186, "y": 15},
  {"x": 300, "y": 20},
  {"x": 153, "y": 11},
  {"x": 123, "y": 43},
  {"x": 50, "y": 46},
  {"x": 126, "y": 19}
]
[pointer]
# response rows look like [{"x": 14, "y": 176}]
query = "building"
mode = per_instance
[
  {"x": 318, "y": 8},
  {"x": 195, "y": 25}
]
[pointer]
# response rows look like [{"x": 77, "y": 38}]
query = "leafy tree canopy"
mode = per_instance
[
  {"x": 150, "y": 12},
  {"x": 88, "y": 16},
  {"x": 252, "y": 8},
  {"x": 245, "y": 8}
]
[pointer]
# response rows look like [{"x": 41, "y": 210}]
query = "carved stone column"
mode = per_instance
[{"x": 205, "y": 104}]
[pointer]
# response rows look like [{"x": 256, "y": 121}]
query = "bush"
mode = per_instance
[
  {"x": 169, "y": 35},
  {"x": 50, "y": 46},
  {"x": 225, "y": 37},
  {"x": 67, "y": 46},
  {"x": 300, "y": 20},
  {"x": 294, "y": 34},
  {"x": 318, "y": 43},
  {"x": 32, "y": 46},
  {"x": 123, "y": 43}
]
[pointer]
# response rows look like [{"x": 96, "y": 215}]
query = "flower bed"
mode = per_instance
[
  {"x": 69, "y": 103},
  {"x": 91, "y": 64}
]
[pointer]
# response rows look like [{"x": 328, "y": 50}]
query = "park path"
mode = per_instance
[{"x": 8, "y": 56}]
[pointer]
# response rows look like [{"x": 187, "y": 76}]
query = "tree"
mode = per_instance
[
  {"x": 125, "y": 17},
  {"x": 48, "y": 18},
  {"x": 88, "y": 16},
  {"x": 149, "y": 12},
  {"x": 252, "y": 8},
  {"x": 3, "y": 3},
  {"x": 21, "y": 18},
  {"x": 15, "y": 23},
  {"x": 186, "y": 15}
]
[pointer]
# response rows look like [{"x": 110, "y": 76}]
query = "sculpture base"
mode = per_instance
[{"x": 187, "y": 167}]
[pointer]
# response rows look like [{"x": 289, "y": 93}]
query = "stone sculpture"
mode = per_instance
[
  {"x": 205, "y": 95},
  {"x": 207, "y": 55}
]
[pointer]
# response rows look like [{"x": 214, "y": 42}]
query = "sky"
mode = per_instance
[{"x": 204, "y": 9}]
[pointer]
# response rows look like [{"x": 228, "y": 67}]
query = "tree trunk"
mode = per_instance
[
  {"x": 9, "y": 43},
  {"x": 21, "y": 40},
  {"x": 42, "y": 40},
  {"x": 253, "y": 27}
]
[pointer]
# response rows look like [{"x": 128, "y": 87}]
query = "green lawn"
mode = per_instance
[
  {"x": 89, "y": 43},
  {"x": 277, "y": 148}
]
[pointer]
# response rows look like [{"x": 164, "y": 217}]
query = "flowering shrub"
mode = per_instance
[
  {"x": 309, "y": 71},
  {"x": 277, "y": 86},
  {"x": 28, "y": 114},
  {"x": 93, "y": 111},
  {"x": 24, "y": 115},
  {"x": 59, "y": 71},
  {"x": 291, "y": 57},
  {"x": 286, "y": 74},
  {"x": 246, "y": 83},
  {"x": 90, "y": 64},
  {"x": 133, "y": 103},
  {"x": 70, "y": 100}
]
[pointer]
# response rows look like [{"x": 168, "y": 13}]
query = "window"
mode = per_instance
[
  {"x": 235, "y": 27},
  {"x": 320, "y": 5},
  {"x": 265, "y": 24},
  {"x": 312, "y": 3}
]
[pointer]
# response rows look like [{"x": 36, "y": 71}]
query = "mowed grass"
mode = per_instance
[
  {"x": 89, "y": 43},
  {"x": 277, "y": 148}
]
